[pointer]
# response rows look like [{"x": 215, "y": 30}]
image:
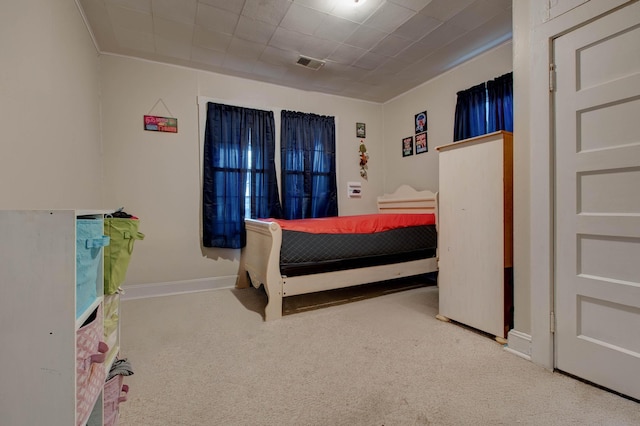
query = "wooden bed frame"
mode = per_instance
[{"x": 260, "y": 258}]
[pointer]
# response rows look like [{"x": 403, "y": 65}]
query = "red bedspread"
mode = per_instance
[{"x": 358, "y": 224}]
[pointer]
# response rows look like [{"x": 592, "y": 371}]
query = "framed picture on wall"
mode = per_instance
[
  {"x": 421, "y": 122},
  {"x": 361, "y": 130},
  {"x": 407, "y": 146},
  {"x": 421, "y": 143}
]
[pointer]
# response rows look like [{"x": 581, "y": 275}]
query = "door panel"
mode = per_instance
[
  {"x": 609, "y": 58},
  {"x": 597, "y": 201}
]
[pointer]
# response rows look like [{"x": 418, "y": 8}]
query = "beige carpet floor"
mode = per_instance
[{"x": 209, "y": 359}]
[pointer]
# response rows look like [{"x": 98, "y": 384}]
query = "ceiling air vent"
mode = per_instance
[{"x": 314, "y": 64}]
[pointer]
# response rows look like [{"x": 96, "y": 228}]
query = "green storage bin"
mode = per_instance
[{"x": 117, "y": 255}]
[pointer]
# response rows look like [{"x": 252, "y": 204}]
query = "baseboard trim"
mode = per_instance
[
  {"x": 519, "y": 344},
  {"x": 143, "y": 291}
]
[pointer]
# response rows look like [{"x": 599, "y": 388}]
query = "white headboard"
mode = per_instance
[{"x": 407, "y": 200}]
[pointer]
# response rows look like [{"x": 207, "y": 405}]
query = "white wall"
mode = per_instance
[
  {"x": 521, "y": 153},
  {"x": 156, "y": 176},
  {"x": 49, "y": 105},
  {"x": 438, "y": 98}
]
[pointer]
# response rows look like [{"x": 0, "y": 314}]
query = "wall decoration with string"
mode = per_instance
[{"x": 156, "y": 123}]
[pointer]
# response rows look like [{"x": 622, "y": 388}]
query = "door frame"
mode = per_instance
[{"x": 542, "y": 159}]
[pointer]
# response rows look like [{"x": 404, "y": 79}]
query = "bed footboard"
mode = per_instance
[{"x": 260, "y": 263}]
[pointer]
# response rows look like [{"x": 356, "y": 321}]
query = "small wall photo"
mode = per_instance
[
  {"x": 421, "y": 143},
  {"x": 407, "y": 146},
  {"x": 421, "y": 122}
]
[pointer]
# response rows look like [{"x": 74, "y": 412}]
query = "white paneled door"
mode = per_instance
[{"x": 597, "y": 201}]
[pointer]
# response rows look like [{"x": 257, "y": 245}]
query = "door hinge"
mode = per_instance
[
  {"x": 553, "y": 322},
  {"x": 552, "y": 77}
]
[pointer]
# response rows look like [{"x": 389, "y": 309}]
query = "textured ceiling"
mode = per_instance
[{"x": 373, "y": 50}]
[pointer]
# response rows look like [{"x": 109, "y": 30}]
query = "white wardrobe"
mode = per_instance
[{"x": 475, "y": 233}]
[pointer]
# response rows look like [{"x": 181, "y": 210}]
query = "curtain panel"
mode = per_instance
[
  {"x": 470, "y": 115},
  {"x": 308, "y": 155},
  {"x": 238, "y": 173},
  {"x": 500, "y": 93}
]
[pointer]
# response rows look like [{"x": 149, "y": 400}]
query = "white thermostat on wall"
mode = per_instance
[{"x": 354, "y": 189}]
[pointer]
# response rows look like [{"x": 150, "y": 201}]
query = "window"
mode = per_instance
[
  {"x": 239, "y": 177},
  {"x": 308, "y": 154},
  {"x": 500, "y": 103},
  {"x": 238, "y": 170},
  {"x": 484, "y": 108},
  {"x": 470, "y": 118}
]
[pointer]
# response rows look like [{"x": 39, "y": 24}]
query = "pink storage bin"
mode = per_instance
[
  {"x": 91, "y": 353},
  {"x": 114, "y": 393}
]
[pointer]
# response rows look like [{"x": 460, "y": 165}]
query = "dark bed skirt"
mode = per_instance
[{"x": 304, "y": 253}]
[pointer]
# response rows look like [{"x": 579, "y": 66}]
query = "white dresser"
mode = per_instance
[{"x": 475, "y": 233}]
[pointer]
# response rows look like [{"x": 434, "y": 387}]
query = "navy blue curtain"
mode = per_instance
[
  {"x": 500, "y": 92},
  {"x": 308, "y": 154},
  {"x": 239, "y": 177},
  {"x": 470, "y": 117}
]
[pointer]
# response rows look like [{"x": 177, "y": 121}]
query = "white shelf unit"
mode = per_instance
[
  {"x": 38, "y": 317},
  {"x": 475, "y": 233}
]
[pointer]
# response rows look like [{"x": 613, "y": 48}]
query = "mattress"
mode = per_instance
[{"x": 304, "y": 253}]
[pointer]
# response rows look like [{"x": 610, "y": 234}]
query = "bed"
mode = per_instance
[{"x": 298, "y": 257}]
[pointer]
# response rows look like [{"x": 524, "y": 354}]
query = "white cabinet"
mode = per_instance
[
  {"x": 38, "y": 319},
  {"x": 475, "y": 232}
]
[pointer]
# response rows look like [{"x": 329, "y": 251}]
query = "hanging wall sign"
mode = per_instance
[{"x": 160, "y": 124}]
